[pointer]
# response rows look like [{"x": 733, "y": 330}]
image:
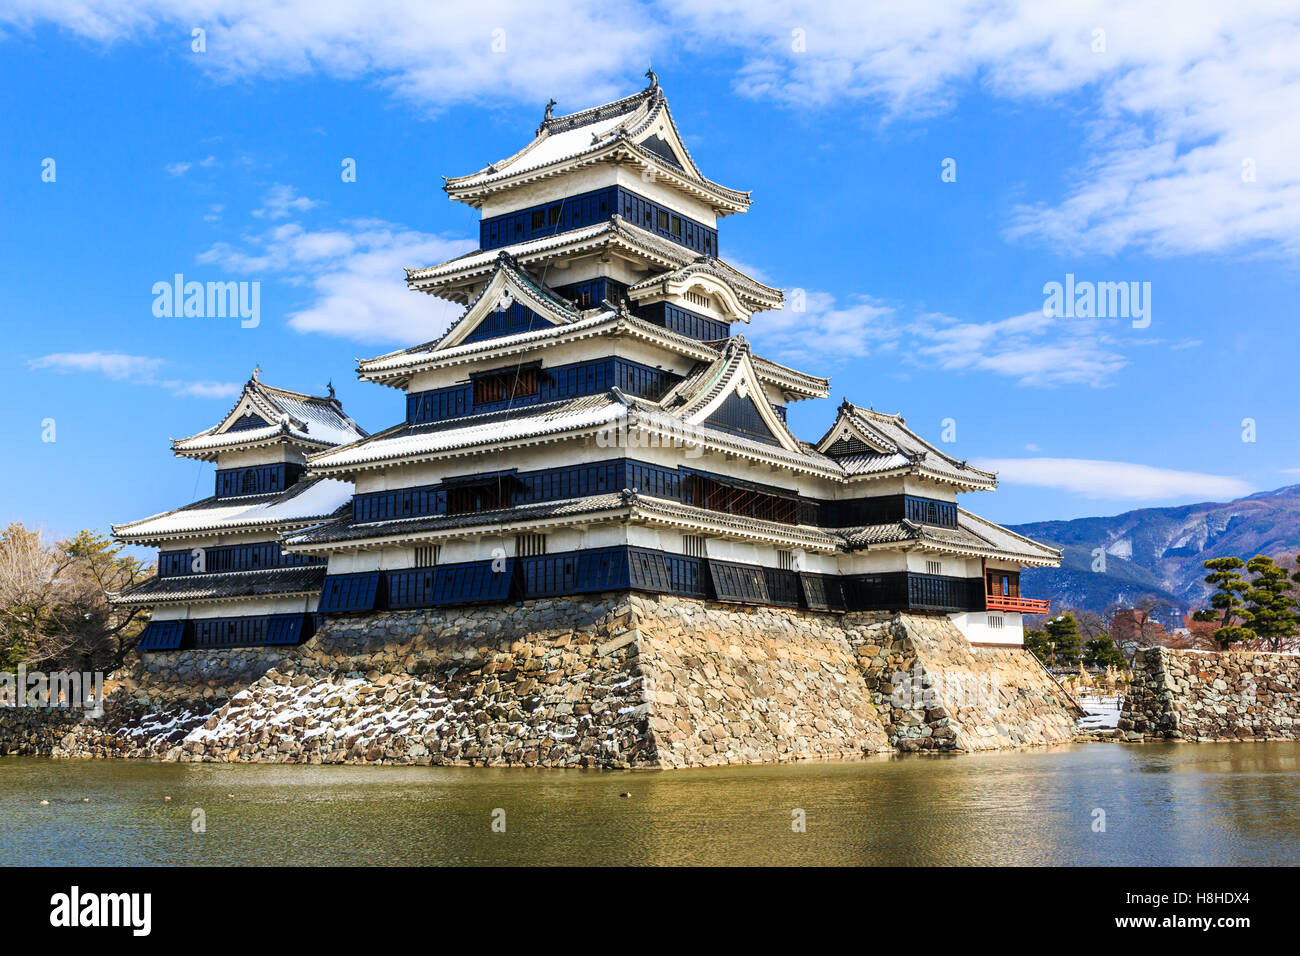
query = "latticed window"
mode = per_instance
[
  {"x": 785, "y": 560},
  {"x": 996, "y": 621},
  {"x": 505, "y": 386},
  {"x": 934, "y": 567},
  {"x": 732, "y": 499},
  {"x": 530, "y": 545},
  {"x": 427, "y": 556},
  {"x": 693, "y": 545},
  {"x": 481, "y": 496}
]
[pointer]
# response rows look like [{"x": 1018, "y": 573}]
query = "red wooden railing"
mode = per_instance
[{"x": 999, "y": 602}]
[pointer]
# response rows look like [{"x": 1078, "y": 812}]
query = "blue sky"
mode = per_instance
[{"x": 1125, "y": 163}]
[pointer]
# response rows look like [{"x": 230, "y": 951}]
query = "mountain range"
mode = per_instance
[{"x": 1158, "y": 552}]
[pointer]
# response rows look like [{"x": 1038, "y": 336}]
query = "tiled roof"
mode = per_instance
[
  {"x": 533, "y": 421},
  {"x": 973, "y": 535},
  {"x": 628, "y": 504},
  {"x": 587, "y": 136},
  {"x": 345, "y": 529},
  {"x": 396, "y": 367},
  {"x": 737, "y": 525},
  {"x": 226, "y": 584},
  {"x": 807, "y": 458},
  {"x": 897, "y": 447},
  {"x": 616, "y": 231},
  {"x": 307, "y": 419},
  {"x": 307, "y": 500}
]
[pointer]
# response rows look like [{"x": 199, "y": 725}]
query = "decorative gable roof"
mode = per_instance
[
  {"x": 510, "y": 284},
  {"x": 266, "y": 415},
  {"x": 637, "y": 130},
  {"x": 706, "y": 274},
  {"x": 731, "y": 377},
  {"x": 396, "y": 368},
  {"x": 870, "y": 443}
]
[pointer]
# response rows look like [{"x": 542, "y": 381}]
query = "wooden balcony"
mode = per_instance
[{"x": 999, "y": 602}]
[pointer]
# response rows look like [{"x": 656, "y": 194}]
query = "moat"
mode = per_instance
[{"x": 1163, "y": 804}]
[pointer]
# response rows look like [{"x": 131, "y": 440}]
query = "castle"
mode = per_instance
[{"x": 591, "y": 423}]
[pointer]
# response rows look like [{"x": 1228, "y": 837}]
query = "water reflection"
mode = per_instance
[{"x": 1162, "y": 805}]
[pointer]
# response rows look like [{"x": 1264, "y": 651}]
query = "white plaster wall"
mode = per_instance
[
  {"x": 872, "y": 562},
  {"x": 975, "y": 626},
  {"x": 952, "y": 565},
  {"x": 269, "y": 455},
  {"x": 455, "y": 551},
  {"x": 237, "y": 608}
]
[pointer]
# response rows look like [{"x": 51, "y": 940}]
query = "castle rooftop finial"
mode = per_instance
[
  {"x": 652, "y": 77},
  {"x": 550, "y": 107},
  {"x": 257, "y": 371}
]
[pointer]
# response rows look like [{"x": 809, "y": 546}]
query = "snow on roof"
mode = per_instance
[
  {"x": 518, "y": 250},
  {"x": 494, "y": 427},
  {"x": 310, "y": 419},
  {"x": 306, "y": 500},
  {"x": 429, "y": 350},
  {"x": 625, "y": 124},
  {"x": 892, "y": 445},
  {"x": 549, "y": 149}
]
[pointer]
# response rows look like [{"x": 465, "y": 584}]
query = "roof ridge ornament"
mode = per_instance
[{"x": 652, "y": 77}]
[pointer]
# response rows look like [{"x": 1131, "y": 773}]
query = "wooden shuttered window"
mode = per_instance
[{"x": 505, "y": 386}]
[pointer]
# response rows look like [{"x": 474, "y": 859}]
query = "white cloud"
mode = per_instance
[
  {"x": 1184, "y": 93},
  {"x": 427, "y": 52},
  {"x": 283, "y": 201},
  {"x": 115, "y": 365},
  {"x": 178, "y": 169},
  {"x": 825, "y": 330},
  {"x": 1115, "y": 479},
  {"x": 355, "y": 273},
  {"x": 136, "y": 369},
  {"x": 1030, "y": 348}
]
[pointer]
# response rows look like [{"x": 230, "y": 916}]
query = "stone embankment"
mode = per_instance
[
  {"x": 1200, "y": 696},
  {"x": 619, "y": 681}
]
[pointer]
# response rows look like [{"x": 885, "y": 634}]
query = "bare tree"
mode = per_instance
[{"x": 54, "y": 601}]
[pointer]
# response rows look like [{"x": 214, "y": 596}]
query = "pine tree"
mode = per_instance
[
  {"x": 1270, "y": 606},
  {"x": 1229, "y": 587},
  {"x": 1063, "y": 634},
  {"x": 1038, "y": 645},
  {"x": 1102, "y": 652}
]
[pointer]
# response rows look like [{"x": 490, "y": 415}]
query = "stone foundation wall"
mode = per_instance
[
  {"x": 936, "y": 691},
  {"x": 1198, "y": 696},
  {"x": 618, "y": 680}
]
